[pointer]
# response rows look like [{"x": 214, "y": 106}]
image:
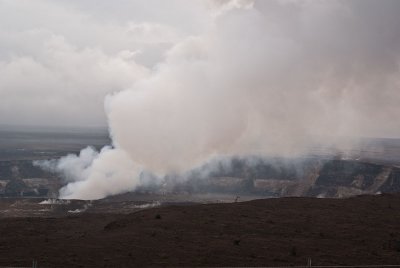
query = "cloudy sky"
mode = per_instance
[
  {"x": 325, "y": 62},
  {"x": 58, "y": 59}
]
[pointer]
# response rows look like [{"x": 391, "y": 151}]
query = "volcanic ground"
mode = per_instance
[
  {"x": 199, "y": 223},
  {"x": 265, "y": 232}
]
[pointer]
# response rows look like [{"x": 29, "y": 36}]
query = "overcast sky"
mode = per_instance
[
  {"x": 308, "y": 63},
  {"x": 58, "y": 59}
]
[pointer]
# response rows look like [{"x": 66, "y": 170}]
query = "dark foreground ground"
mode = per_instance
[{"x": 271, "y": 232}]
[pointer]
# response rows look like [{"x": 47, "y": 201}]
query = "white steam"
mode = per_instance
[
  {"x": 93, "y": 175},
  {"x": 264, "y": 79}
]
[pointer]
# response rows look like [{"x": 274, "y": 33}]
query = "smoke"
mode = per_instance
[{"x": 266, "y": 78}]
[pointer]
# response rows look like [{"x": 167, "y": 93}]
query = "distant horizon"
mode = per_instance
[
  {"x": 105, "y": 129},
  {"x": 51, "y": 128}
]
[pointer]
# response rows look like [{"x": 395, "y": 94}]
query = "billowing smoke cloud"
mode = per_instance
[
  {"x": 266, "y": 78},
  {"x": 93, "y": 175}
]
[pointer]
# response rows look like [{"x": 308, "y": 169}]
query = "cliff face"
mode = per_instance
[
  {"x": 270, "y": 178},
  {"x": 311, "y": 177},
  {"x": 22, "y": 178},
  {"x": 339, "y": 178},
  {"x": 392, "y": 183}
]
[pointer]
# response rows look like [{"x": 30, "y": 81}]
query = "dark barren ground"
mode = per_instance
[{"x": 270, "y": 232}]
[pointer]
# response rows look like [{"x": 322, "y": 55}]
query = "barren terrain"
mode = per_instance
[
  {"x": 270, "y": 232},
  {"x": 204, "y": 221}
]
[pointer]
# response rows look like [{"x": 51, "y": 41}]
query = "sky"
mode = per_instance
[{"x": 59, "y": 59}]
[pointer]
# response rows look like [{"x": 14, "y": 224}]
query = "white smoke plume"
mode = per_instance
[
  {"x": 266, "y": 78},
  {"x": 93, "y": 175}
]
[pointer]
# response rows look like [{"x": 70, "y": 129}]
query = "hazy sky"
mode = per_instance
[{"x": 59, "y": 59}]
